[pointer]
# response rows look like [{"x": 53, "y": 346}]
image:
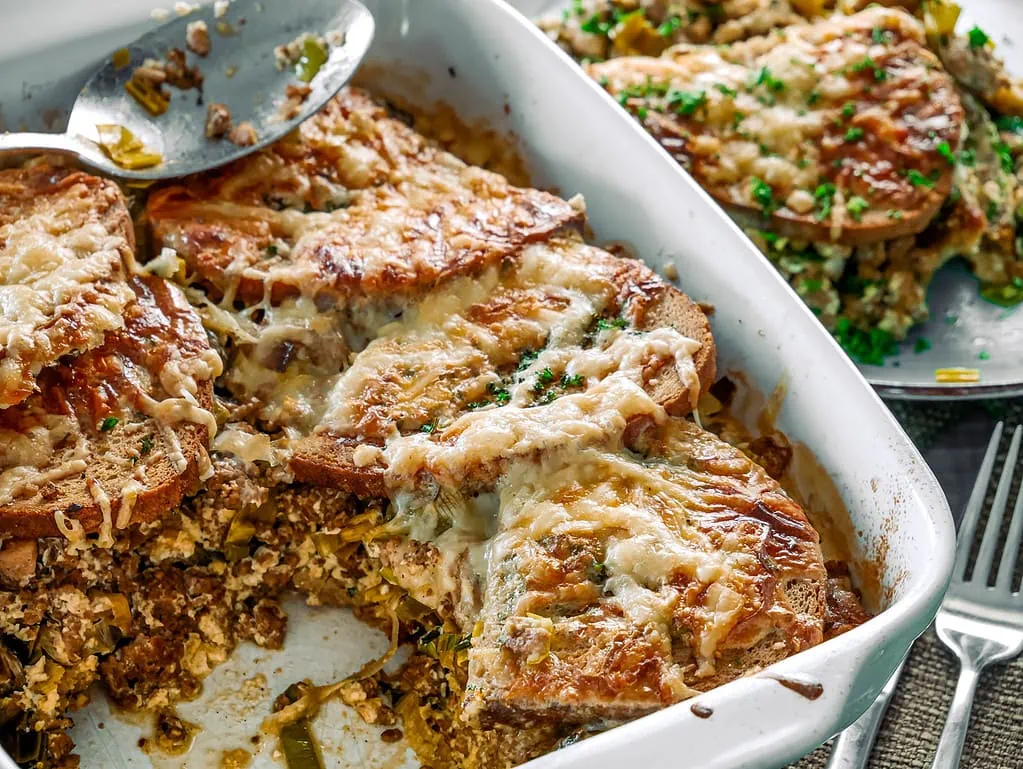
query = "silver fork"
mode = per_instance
[{"x": 980, "y": 624}]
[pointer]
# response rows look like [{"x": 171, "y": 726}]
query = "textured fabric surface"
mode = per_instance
[{"x": 953, "y": 438}]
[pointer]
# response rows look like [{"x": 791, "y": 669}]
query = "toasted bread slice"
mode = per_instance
[
  {"x": 832, "y": 131},
  {"x": 433, "y": 374},
  {"x": 356, "y": 205},
  {"x": 116, "y": 435},
  {"x": 617, "y": 585},
  {"x": 66, "y": 239}
]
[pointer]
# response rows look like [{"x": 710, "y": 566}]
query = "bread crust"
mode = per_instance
[
  {"x": 634, "y": 292},
  {"x": 63, "y": 303},
  {"x": 849, "y": 153},
  {"x": 113, "y": 382},
  {"x": 568, "y": 632}
]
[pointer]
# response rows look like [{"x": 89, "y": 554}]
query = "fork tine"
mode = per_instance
[
  {"x": 972, "y": 515},
  {"x": 986, "y": 556},
  {"x": 1007, "y": 568}
]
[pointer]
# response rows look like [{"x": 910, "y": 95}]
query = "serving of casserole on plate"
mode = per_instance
[
  {"x": 374, "y": 366},
  {"x": 861, "y": 148}
]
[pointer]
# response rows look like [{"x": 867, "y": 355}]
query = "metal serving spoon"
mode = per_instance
[{"x": 240, "y": 71}]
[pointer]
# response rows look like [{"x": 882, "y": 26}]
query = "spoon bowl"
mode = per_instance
[{"x": 241, "y": 72}]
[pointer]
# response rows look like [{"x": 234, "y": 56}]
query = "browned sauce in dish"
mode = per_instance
[
  {"x": 700, "y": 711},
  {"x": 809, "y": 689}
]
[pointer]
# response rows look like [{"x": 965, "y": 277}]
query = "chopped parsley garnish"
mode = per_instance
[
  {"x": 849, "y": 109},
  {"x": 572, "y": 380},
  {"x": 917, "y": 179},
  {"x": 146, "y": 445},
  {"x": 923, "y": 344},
  {"x": 870, "y": 347},
  {"x": 603, "y": 324},
  {"x": 726, "y": 90},
  {"x": 864, "y": 64},
  {"x": 597, "y": 572},
  {"x": 825, "y": 196},
  {"x": 544, "y": 378},
  {"x": 670, "y": 27},
  {"x": 428, "y": 428},
  {"x": 548, "y": 397},
  {"x": 271, "y": 250},
  {"x": 813, "y": 98},
  {"x": 473, "y": 405},
  {"x": 856, "y": 206},
  {"x": 527, "y": 359},
  {"x": 108, "y": 424},
  {"x": 984, "y": 355},
  {"x": 854, "y": 134},
  {"x": 968, "y": 158},
  {"x": 877, "y": 34},
  {"x": 978, "y": 38},
  {"x": 765, "y": 78},
  {"x": 894, "y": 214},
  {"x": 868, "y": 63},
  {"x": 764, "y": 195},
  {"x": 686, "y": 102},
  {"x": 1010, "y": 123},
  {"x": 1005, "y": 155},
  {"x": 598, "y": 24},
  {"x": 810, "y": 285},
  {"x": 946, "y": 152},
  {"x": 501, "y": 395}
]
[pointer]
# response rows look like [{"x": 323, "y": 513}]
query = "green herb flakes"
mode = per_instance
[
  {"x": 977, "y": 37},
  {"x": 763, "y": 195},
  {"x": 856, "y": 206},
  {"x": 686, "y": 102}
]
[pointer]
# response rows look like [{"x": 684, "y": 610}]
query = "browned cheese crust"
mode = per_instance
[
  {"x": 832, "y": 129},
  {"x": 90, "y": 439},
  {"x": 353, "y": 205},
  {"x": 66, "y": 239},
  {"x": 421, "y": 377},
  {"x": 618, "y": 585}
]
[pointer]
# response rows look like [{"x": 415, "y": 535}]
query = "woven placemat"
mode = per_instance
[{"x": 912, "y": 727}]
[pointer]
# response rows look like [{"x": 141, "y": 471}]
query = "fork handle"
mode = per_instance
[
  {"x": 950, "y": 747},
  {"x": 852, "y": 748}
]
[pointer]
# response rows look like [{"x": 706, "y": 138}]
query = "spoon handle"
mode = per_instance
[{"x": 19, "y": 142}]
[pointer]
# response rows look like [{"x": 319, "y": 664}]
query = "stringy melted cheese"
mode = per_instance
[
  {"x": 61, "y": 289},
  {"x": 598, "y": 416},
  {"x": 642, "y": 514}
]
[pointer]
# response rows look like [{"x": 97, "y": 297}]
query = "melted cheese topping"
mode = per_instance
[
  {"x": 102, "y": 501},
  {"x": 61, "y": 287},
  {"x": 452, "y": 330},
  {"x": 248, "y": 446},
  {"x": 800, "y": 123},
  {"x": 642, "y": 515},
  {"x": 31, "y": 456},
  {"x": 598, "y": 416}
]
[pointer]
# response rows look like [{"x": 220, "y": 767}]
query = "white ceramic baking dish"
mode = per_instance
[{"x": 489, "y": 63}]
